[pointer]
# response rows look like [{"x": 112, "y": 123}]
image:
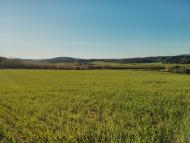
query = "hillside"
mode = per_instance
[
  {"x": 179, "y": 59},
  {"x": 180, "y": 63}
]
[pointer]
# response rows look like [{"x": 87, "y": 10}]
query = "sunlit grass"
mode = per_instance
[{"x": 93, "y": 106}]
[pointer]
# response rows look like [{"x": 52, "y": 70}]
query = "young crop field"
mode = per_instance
[
  {"x": 97, "y": 106},
  {"x": 130, "y": 65}
]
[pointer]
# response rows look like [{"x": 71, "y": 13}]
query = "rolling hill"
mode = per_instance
[{"x": 179, "y": 59}]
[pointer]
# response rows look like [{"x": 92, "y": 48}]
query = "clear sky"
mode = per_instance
[{"x": 94, "y": 28}]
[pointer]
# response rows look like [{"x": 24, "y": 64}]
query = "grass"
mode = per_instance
[
  {"x": 94, "y": 106},
  {"x": 134, "y": 65},
  {"x": 129, "y": 65}
]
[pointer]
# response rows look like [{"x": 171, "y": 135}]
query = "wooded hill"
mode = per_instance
[
  {"x": 76, "y": 63},
  {"x": 180, "y": 59}
]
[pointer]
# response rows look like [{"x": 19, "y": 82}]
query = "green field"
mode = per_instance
[
  {"x": 128, "y": 65},
  {"x": 94, "y": 106},
  {"x": 156, "y": 65}
]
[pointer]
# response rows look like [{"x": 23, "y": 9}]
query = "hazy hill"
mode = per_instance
[
  {"x": 64, "y": 60},
  {"x": 180, "y": 59},
  {"x": 69, "y": 63}
]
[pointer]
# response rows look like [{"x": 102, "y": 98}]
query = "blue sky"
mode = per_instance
[{"x": 94, "y": 28}]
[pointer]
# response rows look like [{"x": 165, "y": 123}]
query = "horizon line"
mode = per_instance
[{"x": 12, "y": 57}]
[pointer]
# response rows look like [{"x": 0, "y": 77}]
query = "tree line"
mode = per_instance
[{"x": 11, "y": 63}]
